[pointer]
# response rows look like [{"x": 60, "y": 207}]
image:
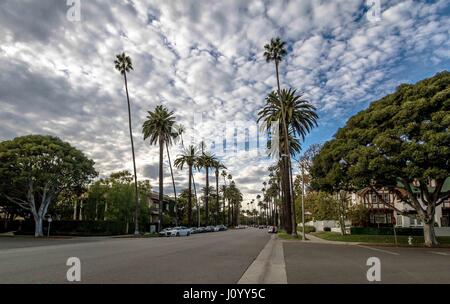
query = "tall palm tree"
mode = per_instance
[
  {"x": 301, "y": 118},
  {"x": 124, "y": 65},
  {"x": 206, "y": 161},
  {"x": 274, "y": 52},
  {"x": 218, "y": 165},
  {"x": 224, "y": 175},
  {"x": 189, "y": 158},
  {"x": 158, "y": 128}
]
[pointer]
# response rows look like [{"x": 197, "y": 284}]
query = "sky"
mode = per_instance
[{"x": 204, "y": 61}]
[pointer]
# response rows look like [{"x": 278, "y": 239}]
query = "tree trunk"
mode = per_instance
[
  {"x": 136, "y": 211},
  {"x": 207, "y": 197},
  {"x": 429, "y": 235},
  {"x": 190, "y": 198},
  {"x": 38, "y": 228},
  {"x": 173, "y": 183},
  {"x": 161, "y": 184},
  {"x": 217, "y": 197}
]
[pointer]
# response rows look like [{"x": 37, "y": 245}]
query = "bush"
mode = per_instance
[
  {"x": 308, "y": 229},
  {"x": 78, "y": 228},
  {"x": 328, "y": 229},
  {"x": 386, "y": 231}
]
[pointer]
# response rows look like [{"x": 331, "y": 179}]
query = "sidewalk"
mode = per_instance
[
  {"x": 315, "y": 239},
  {"x": 269, "y": 267}
]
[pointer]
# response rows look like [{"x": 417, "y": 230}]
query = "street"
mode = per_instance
[
  {"x": 220, "y": 257},
  {"x": 244, "y": 256},
  {"x": 329, "y": 263}
]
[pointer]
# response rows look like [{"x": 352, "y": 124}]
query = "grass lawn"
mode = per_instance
[
  {"x": 377, "y": 239},
  {"x": 283, "y": 235}
]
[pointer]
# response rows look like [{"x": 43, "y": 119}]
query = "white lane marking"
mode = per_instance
[
  {"x": 380, "y": 250},
  {"x": 440, "y": 253}
]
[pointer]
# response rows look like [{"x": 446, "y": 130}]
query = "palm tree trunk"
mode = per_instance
[
  {"x": 207, "y": 197},
  {"x": 217, "y": 196},
  {"x": 173, "y": 183},
  {"x": 294, "y": 218},
  {"x": 290, "y": 196},
  {"x": 136, "y": 212},
  {"x": 161, "y": 185},
  {"x": 198, "y": 202},
  {"x": 190, "y": 198}
]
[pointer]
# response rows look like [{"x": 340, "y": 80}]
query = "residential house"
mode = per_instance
[{"x": 385, "y": 206}]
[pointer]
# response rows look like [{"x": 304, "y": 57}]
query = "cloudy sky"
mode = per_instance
[{"x": 57, "y": 76}]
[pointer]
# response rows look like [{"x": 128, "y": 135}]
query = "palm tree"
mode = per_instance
[
  {"x": 206, "y": 161},
  {"x": 158, "y": 128},
  {"x": 274, "y": 52},
  {"x": 124, "y": 65},
  {"x": 224, "y": 175},
  {"x": 218, "y": 165},
  {"x": 189, "y": 158},
  {"x": 301, "y": 117}
]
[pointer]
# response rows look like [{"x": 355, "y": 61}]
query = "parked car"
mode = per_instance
[
  {"x": 222, "y": 227},
  {"x": 261, "y": 227},
  {"x": 209, "y": 228},
  {"x": 201, "y": 229},
  {"x": 273, "y": 229},
  {"x": 180, "y": 231},
  {"x": 194, "y": 230},
  {"x": 165, "y": 232}
]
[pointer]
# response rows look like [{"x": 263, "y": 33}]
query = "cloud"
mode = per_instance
[{"x": 57, "y": 77}]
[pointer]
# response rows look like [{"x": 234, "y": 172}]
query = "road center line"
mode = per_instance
[{"x": 380, "y": 250}]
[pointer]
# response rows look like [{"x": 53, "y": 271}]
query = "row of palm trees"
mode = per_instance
[
  {"x": 297, "y": 117},
  {"x": 160, "y": 129},
  {"x": 294, "y": 117}
]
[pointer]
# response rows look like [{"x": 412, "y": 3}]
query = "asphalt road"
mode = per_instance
[
  {"x": 220, "y": 257},
  {"x": 328, "y": 263}
]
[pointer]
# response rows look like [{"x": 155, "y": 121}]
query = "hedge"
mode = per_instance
[
  {"x": 386, "y": 231},
  {"x": 78, "y": 228}
]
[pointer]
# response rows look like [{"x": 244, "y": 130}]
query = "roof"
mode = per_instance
[
  {"x": 445, "y": 187},
  {"x": 155, "y": 196}
]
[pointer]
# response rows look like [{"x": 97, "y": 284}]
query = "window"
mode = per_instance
[{"x": 399, "y": 220}]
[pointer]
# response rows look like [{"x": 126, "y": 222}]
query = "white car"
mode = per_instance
[{"x": 179, "y": 231}]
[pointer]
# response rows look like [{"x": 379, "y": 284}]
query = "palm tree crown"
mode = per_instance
[
  {"x": 300, "y": 115},
  {"x": 159, "y": 125},
  {"x": 123, "y": 63},
  {"x": 188, "y": 157},
  {"x": 275, "y": 51}
]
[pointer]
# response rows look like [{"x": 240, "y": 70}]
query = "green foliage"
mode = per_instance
[
  {"x": 114, "y": 199},
  {"x": 403, "y": 135},
  {"x": 320, "y": 204},
  {"x": 308, "y": 229},
  {"x": 358, "y": 214},
  {"x": 385, "y": 231}
]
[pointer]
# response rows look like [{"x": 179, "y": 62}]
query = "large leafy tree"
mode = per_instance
[
  {"x": 36, "y": 169},
  {"x": 401, "y": 140},
  {"x": 188, "y": 158},
  {"x": 124, "y": 65},
  {"x": 158, "y": 128}
]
